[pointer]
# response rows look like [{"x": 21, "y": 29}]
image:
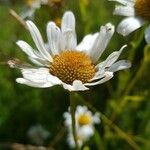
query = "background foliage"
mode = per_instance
[{"x": 125, "y": 100}]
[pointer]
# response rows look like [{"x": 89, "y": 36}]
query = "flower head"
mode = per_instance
[
  {"x": 85, "y": 122},
  {"x": 65, "y": 63},
  {"x": 137, "y": 13}
]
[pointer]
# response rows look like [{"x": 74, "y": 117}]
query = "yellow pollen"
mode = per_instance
[
  {"x": 142, "y": 9},
  {"x": 84, "y": 119},
  {"x": 58, "y": 21},
  {"x": 72, "y": 65},
  {"x": 30, "y": 2}
]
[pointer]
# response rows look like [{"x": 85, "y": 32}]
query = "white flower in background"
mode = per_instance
[
  {"x": 33, "y": 5},
  {"x": 38, "y": 134},
  {"x": 65, "y": 63},
  {"x": 137, "y": 14},
  {"x": 83, "y": 116},
  {"x": 85, "y": 122}
]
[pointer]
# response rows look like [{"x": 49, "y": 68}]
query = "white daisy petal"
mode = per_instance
[
  {"x": 68, "y": 31},
  {"x": 38, "y": 40},
  {"x": 36, "y": 75},
  {"x": 129, "y": 25},
  {"x": 53, "y": 79},
  {"x": 87, "y": 42},
  {"x": 101, "y": 41},
  {"x": 33, "y": 84},
  {"x": 125, "y": 2},
  {"x": 33, "y": 55},
  {"x": 37, "y": 62},
  {"x": 81, "y": 109},
  {"x": 120, "y": 65},
  {"x": 147, "y": 34},
  {"x": 96, "y": 118},
  {"x": 124, "y": 11},
  {"x": 98, "y": 75},
  {"x": 40, "y": 76},
  {"x": 76, "y": 86},
  {"x": 108, "y": 76},
  {"x": 54, "y": 36},
  {"x": 110, "y": 59},
  {"x": 86, "y": 131},
  {"x": 26, "y": 48}
]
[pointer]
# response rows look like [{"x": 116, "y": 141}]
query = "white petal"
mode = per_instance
[
  {"x": 124, "y": 11},
  {"x": 36, "y": 75},
  {"x": 54, "y": 36},
  {"x": 36, "y": 62},
  {"x": 40, "y": 75},
  {"x": 86, "y": 132},
  {"x": 125, "y": 2},
  {"x": 26, "y": 48},
  {"x": 129, "y": 25},
  {"x": 38, "y": 40},
  {"x": 81, "y": 110},
  {"x": 54, "y": 79},
  {"x": 76, "y": 86},
  {"x": 108, "y": 76},
  {"x": 120, "y": 65},
  {"x": 147, "y": 34},
  {"x": 87, "y": 42},
  {"x": 96, "y": 118},
  {"x": 110, "y": 59},
  {"x": 33, "y": 84},
  {"x": 39, "y": 62},
  {"x": 101, "y": 41},
  {"x": 68, "y": 31},
  {"x": 98, "y": 75},
  {"x": 71, "y": 142}
]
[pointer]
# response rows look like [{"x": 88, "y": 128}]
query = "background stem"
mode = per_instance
[{"x": 72, "y": 111}]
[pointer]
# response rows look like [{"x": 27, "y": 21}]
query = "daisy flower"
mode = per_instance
[
  {"x": 137, "y": 14},
  {"x": 65, "y": 63},
  {"x": 83, "y": 117},
  {"x": 85, "y": 122}
]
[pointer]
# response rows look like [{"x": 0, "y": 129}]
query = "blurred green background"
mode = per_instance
[{"x": 125, "y": 100}]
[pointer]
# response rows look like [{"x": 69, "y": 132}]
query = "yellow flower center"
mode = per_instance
[
  {"x": 84, "y": 119},
  {"x": 72, "y": 65},
  {"x": 142, "y": 9},
  {"x": 30, "y": 2}
]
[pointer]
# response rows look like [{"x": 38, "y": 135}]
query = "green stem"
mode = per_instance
[
  {"x": 122, "y": 100},
  {"x": 139, "y": 35},
  {"x": 72, "y": 111}
]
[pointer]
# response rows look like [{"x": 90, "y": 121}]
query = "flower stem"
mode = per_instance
[{"x": 72, "y": 111}]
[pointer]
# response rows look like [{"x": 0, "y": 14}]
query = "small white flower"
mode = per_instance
[
  {"x": 38, "y": 134},
  {"x": 85, "y": 122},
  {"x": 137, "y": 13},
  {"x": 83, "y": 117},
  {"x": 33, "y": 5},
  {"x": 66, "y": 63}
]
